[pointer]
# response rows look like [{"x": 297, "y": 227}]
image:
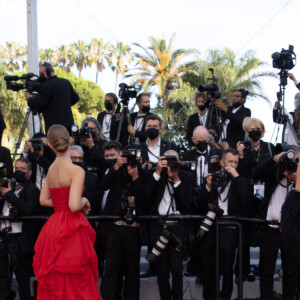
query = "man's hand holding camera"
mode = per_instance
[
  {"x": 120, "y": 162},
  {"x": 162, "y": 163},
  {"x": 219, "y": 104},
  {"x": 88, "y": 142}
]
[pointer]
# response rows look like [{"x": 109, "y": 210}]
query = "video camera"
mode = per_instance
[
  {"x": 29, "y": 84},
  {"x": 126, "y": 92},
  {"x": 284, "y": 60},
  {"x": 213, "y": 88},
  {"x": 218, "y": 177}
]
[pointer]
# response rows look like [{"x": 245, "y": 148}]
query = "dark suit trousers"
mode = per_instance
[
  {"x": 122, "y": 254},
  {"x": 273, "y": 240},
  {"x": 228, "y": 238},
  {"x": 169, "y": 260}
]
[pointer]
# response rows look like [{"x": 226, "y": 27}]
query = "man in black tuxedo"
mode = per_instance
[
  {"x": 55, "y": 98},
  {"x": 18, "y": 239},
  {"x": 138, "y": 119},
  {"x": 233, "y": 117},
  {"x": 169, "y": 191},
  {"x": 205, "y": 117},
  {"x": 109, "y": 119},
  {"x": 234, "y": 197},
  {"x": 123, "y": 187},
  {"x": 278, "y": 182},
  {"x": 154, "y": 146}
]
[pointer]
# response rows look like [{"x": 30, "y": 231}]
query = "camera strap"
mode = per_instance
[
  {"x": 171, "y": 193},
  {"x": 152, "y": 153}
]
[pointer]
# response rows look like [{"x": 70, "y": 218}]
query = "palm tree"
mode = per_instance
[
  {"x": 81, "y": 52},
  {"x": 62, "y": 60},
  {"x": 49, "y": 55},
  {"x": 119, "y": 56},
  {"x": 99, "y": 54},
  {"x": 232, "y": 73}
]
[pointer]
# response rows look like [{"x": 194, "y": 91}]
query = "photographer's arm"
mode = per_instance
[{"x": 40, "y": 101}]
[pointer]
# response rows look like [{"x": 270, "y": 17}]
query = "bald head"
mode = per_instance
[{"x": 200, "y": 134}]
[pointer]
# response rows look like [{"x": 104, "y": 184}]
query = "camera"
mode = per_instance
[
  {"x": 132, "y": 155},
  {"x": 166, "y": 236},
  {"x": 126, "y": 92},
  {"x": 213, "y": 88},
  {"x": 188, "y": 165},
  {"x": 288, "y": 163},
  {"x": 173, "y": 164},
  {"x": 80, "y": 134},
  {"x": 248, "y": 147},
  {"x": 37, "y": 144},
  {"x": 284, "y": 60},
  {"x": 3, "y": 175},
  {"x": 31, "y": 85},
  {"x": 218, "y": 177}
]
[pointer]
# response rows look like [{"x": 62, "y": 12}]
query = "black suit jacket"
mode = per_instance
[
  {"x": 26, "y": 204},
  {"x": 5, "y": 157},
  {"x": 164, "y": 146},
  {"x": 113, "y": 126},
  {"x": 193, "y": 122},
  {"x": 140, "y": 134},
  {"x": 235, "y": 132},
  {"x": 54, "y": 101}
]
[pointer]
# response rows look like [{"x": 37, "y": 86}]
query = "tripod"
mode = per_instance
[
  {"x": 21, "y": 134},
  {"x": 124, "y": 115}
]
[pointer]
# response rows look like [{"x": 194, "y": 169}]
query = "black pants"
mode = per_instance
[
  {"x": 169, "y": 260},
  {"x": 273, "y": 240},
  {"x": 227, "y": 250},
  {"x": 122, "y": 257},
  {"x": 13, "y": 260}
]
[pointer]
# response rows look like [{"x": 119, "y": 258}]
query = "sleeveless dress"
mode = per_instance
[{"x": 65, "y": 262}]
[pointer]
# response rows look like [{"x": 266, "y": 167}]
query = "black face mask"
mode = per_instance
[
  {"x": 216, "y": 138},
  {"x": 201, "y": 146},
  {"x": 108, "y": 105},
  {"x": 236, "y": 104},
  {"x": 202, "y": 107},
  {"x": 145, "y": 109},
  {"x": 254, "y": 135},
  {"x": 42, "y": 78},
  {"x": 78, "y": 163},
  {"x": 20, "y": 176},
  {"x": 111, "y": 162},
  {"x": 152, "y": 133}
]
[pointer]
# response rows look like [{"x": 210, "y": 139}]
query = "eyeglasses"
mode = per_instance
[
  {"x": 77, "y": 158},
  {"x": 236, "y": 96}
]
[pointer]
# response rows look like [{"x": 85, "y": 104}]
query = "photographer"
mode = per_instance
[
  {"x": 124, "y": 185},
  {"x": 154, "y": 146},
  {"x": 37, "y": 151},
  {"x": 138, "y": 119},
  {"x": 17, "y": 239},
  {"x": 92, "y": 141},
  {"x": 109, "y": 119},
  {"x": 278, "y": 173},
  {"x": 169, "y": 191},
  {"x": 202, "y": 118},
  {"x": 233, "y": 117},
  {"x": 231, "y": 193},
  {"x": 55, "y": 98}
]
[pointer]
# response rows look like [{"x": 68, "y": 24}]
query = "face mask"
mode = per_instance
[
  {"x": 236, "y": 104},
  {"x": 201, "y": 146},
  {"x": 254, "y": 135},
  {"x": 20, "y": 176},
  {"x": 78, "y": 163},
  {"x": 111, "y": 162},
  {"x": 202, "y": 107},
  {"x": 42, "y": 78},
  {"x": 152, "y": 133},
  {"x": 108, "y": 105},
  {"x": 146, "y": 109}
]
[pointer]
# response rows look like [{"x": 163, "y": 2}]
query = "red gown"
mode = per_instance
[{"x": 65, "y": 262}]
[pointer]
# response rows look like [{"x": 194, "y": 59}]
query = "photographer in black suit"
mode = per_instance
[
  {"x": 17, "y": 239},
  {"x": 233, "y": 117},
  {"x": 138, "y": 119},
  {"x": 169, "y": 190},
  {"x": 154, "y": 146},
  {"x": 55, "y": 98},
  {"x": 123, "y": 186},
  {"x": 234, "y": 198}
]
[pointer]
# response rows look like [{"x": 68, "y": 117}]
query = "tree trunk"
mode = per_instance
[
  {"x": 116, "y": 83},
  {"x": 165, "y": 105}
]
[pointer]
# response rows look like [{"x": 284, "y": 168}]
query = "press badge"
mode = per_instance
[{"x": 259, "y": 188}]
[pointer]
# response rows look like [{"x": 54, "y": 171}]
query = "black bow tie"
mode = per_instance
[
  {"x": 108, "y": 113},
  {"x": 200, "y": 154}
]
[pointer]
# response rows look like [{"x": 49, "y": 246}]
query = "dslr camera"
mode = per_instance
[
  {"x": 288, "y": 162},
  {"x": 218, "y": 177},
  {"x": 4, "y": 180},
  {"x": 80, "y": 134},
  {"x": 29, "y": 83},
  {"x": 37, "y": 144},
  {"x": 173, "y": 164},
  {"x": 188, "y": 165},
  {"x": 132, "y": 154}
]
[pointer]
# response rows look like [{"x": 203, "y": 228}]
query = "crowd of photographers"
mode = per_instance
[{"x": 228, "y": 170}]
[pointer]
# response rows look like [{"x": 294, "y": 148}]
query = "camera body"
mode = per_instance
[
  {"x": 37, "y": 144},
  {"x": 188, "y": 165},
  {"x": 284, "y": 60},
  {"x": 80, "y": 134},
  {"x": 4, "y": 180},
  {"x": 132, "y": 154},
  {"x": 29, "y": 84},
  {"x": 126, "y": 92},
  {"x": 173, "y": 164},
  {"x": 218, "y": 177},
  {"x": 288, "y": 162},
  {"x": 212, "y": 89}
]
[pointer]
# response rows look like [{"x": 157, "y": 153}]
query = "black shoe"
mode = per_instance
[{"x": 147, "y": 274}]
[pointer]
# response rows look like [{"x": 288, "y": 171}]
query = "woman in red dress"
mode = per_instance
[{"x": 65, "y": 262}]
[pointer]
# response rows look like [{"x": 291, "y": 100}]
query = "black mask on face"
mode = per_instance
[
  {"x": 111, "y": 162},
  {"x": 152, "y": 133},
  {"x": 202, "y": 107},
  {"x": 108, "y": 105},
  {"x": 78, "y": 163},
  {"x": 20, "y": 176},
  {"x": 146, "y": 109},
  {"x": 236, "y": 104},
  {"x": 201, "y": 146},
  {"x": 254, "y": 135},
  {"x": 42, "y": 78}
]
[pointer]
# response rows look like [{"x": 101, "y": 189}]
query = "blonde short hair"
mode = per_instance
[{"x": 253, "y": 121}]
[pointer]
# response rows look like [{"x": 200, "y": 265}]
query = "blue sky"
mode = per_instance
[{"x": 265, "y": 26}]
